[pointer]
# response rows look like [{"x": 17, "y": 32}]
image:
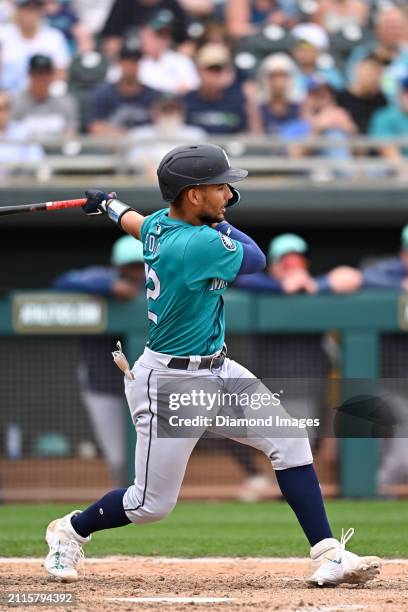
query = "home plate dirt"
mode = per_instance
[{"x": 260, "y": 585}]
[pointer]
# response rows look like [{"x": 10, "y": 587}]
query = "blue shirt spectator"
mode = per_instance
[
  {"x": 218, "y": 106},
  {"x": 276, "y": 78},
  {"x": 390, "y": 273},
  {"x": 311, "y": 54},
  {"x": 114, "y": 108}
]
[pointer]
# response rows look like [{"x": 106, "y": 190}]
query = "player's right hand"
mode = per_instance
[{"x": 96, "y": 202}]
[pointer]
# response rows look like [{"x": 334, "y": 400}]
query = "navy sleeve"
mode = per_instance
[
  {"x": 258, "y": 282},
  {"x": 96, "y": 280},
  {"x": 384, "y": 275},
  {"x": 323, "y": 283},
  {"x": 253, "y": 258}
]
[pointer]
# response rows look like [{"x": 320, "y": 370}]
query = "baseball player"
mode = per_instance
[{"x": 191, "y": 253}]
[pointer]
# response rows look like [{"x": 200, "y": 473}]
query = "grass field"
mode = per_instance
[{"x": 218, "y": 529}]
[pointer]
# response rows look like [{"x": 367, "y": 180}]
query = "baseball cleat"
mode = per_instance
[
  {"x": 333, "y": 565},
  {"x": 66, "y": 551}
]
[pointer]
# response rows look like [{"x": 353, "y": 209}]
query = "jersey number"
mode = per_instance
[{"x": 152, "y": 294}]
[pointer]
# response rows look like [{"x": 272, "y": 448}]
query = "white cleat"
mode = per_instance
[
  {"x": 65, "y": 549},
  {"x": 333, "y": 565}
]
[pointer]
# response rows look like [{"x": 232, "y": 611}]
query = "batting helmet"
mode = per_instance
[{"x": 205, "y": 164}]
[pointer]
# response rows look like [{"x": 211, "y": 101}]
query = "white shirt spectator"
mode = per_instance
[
  {"x": 172, "y": 73},
  {"x": 16, "y": 50},
  {"x": 93, "y": 13}
]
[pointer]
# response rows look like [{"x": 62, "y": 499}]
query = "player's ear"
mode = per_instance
[{"x": 193, "y": 195}]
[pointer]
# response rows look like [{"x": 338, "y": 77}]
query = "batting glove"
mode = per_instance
[{"x": 97, "y": 200}]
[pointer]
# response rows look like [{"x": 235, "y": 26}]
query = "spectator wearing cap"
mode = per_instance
[
  {"x": 276, "y": 77},
  {"x": 390, "y": 45},
  {"x": 246, "y": 17},
  {"x": 100, "y": 385},
  {"x": 43, "y": 114},
  {"x": 126, "y": 15},
  {"x": 221, "y": 105},
  {"x": 363, "y": 97},
  {"x": 333, "y": 15},
  {"x": 310, "y": 52},
  {"x": 61, "y": 14},
  {"x": 168, "y": 130},
  {"x": 15, "y": 150},
  {"x": 115, "y": 108},
  {"x": 161, "y": 67},
  {"x": 29, "y": 35},
  {"x": 392, "y": 122},
  {"x": 288, "y": 271}
]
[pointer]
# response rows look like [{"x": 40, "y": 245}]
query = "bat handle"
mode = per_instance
[{"x": 57, "y": 205}]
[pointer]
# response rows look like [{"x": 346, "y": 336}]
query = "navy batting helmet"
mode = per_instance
[{"x": 204, "y": 164}]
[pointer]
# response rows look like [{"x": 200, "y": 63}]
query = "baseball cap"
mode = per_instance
[
  {"x": 40, "y": 63},
  {"x": 311, "y": 34},
  {"x": 213, "y": 54},
  {"x": 131, "y": 50},
  {"x": 404, "y": 237},
  {"x": 284, "y": 244},
  {"x": 126, "y": 250},
  {"x": 162, "y": 20},
  {"x": 315, "y": 82},
  {"x": 277, "y": 62}
]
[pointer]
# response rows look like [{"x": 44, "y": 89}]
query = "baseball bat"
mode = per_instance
[{"x": 57, "y": 205}]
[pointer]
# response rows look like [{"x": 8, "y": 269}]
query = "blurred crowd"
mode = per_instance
[{"x": 186, "y": 70}]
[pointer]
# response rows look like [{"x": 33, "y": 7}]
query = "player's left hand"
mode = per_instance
[{"x": 96, "y": 202}]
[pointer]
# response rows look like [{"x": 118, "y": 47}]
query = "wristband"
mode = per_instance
[{"x": 116, "y": 209}]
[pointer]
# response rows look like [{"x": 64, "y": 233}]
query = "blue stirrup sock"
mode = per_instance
[
  {"x": 301, "y": 489},
  {"x": 106, "y": 513}
]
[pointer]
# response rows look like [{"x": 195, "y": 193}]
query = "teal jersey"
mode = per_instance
[{"x": 188, "y": 268}]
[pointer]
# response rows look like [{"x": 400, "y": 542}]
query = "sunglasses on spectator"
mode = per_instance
[{"x": 216, "y": 67}]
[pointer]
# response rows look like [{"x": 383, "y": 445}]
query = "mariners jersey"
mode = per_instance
[{"x": 188, "y": 268}]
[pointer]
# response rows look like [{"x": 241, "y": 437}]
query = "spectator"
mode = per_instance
[
  {"x": 61, "y": 15},
  {"x": 311, "y": 57},
  {"x": 390, "y": 46},
  {"x": 161, "y": 67},
  {"x": 245, "y": 17},
  {"x": 333, "y": 15},
  {"x": 42, "y": 113},
  {"x": 278, "y": 89},
  {"x": 288, "y": 271},
  {"x": 221, "y": 105},
  {"x": 167, "y": 131},
  {"x": 18, "y": 151},
  {"x": 392, "y": 122},
  {"x": 114, "y": 108},
  {"x": 321, "y": 116},
  {"x": 364, "y": 96},
  {"x": 127, "y": 15},
  {"x": 93, "y": 14},
  {"x": 101, "y": 385},
  {"x": 26, "y": 36}
]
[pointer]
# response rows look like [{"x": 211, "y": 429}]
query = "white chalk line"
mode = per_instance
[
  {"x": 187, "y": 600},
  {"x": 173, "y": 560}
]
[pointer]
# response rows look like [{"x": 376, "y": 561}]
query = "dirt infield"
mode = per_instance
[{"x": 243, "y": 584}]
